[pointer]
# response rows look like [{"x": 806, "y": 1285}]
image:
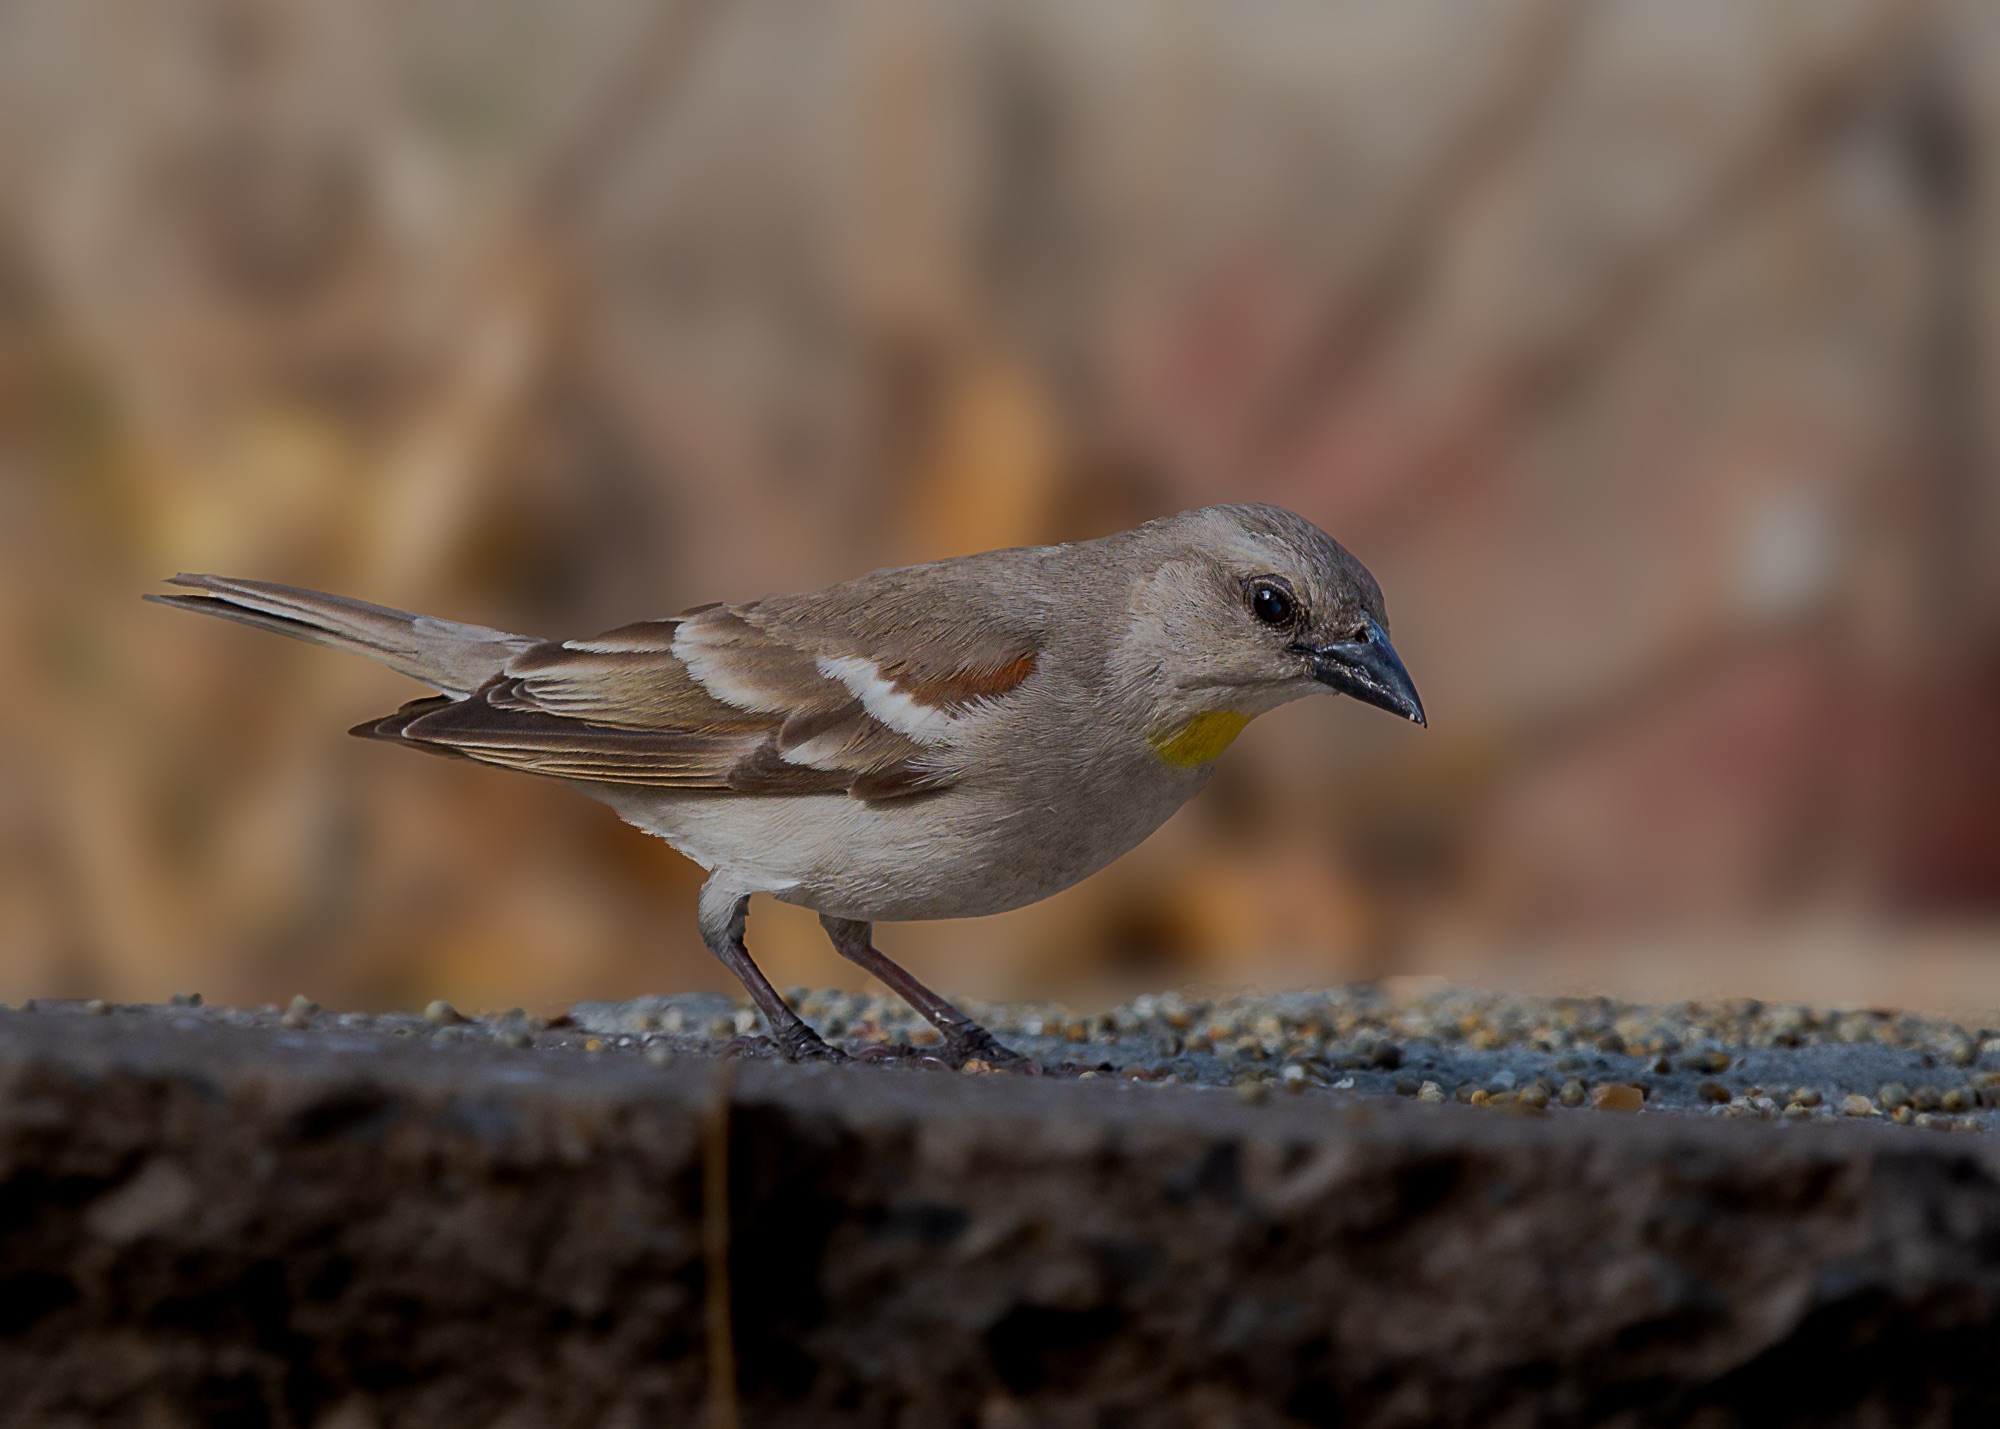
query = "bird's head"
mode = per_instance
[{"x": 1247, "y": 607}]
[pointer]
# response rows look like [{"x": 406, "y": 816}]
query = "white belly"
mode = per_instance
[{"x": 959, "y": 853}]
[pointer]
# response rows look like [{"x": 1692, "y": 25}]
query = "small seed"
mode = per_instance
[
  {"x": 1572, "y": 1093},
  {"x": 440, "y": 1013},
  {"x": 1711, "y": 1090},
  {"x": 1856, "y": 1105}
]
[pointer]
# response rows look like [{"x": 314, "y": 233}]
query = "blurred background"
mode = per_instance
[{"x": 1645, "y": 352}]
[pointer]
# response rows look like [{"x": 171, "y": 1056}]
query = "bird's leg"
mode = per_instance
[
  {"x": 963, "y": 1037},
  {"x": 722, "y": 915}
]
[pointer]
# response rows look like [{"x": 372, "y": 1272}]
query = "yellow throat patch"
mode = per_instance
[{"x": 1201, "y": 740}]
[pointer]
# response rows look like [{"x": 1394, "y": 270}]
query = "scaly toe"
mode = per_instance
[
  {"x": 809, "y": 1047},
  {"x": 977, "y": 1044}
]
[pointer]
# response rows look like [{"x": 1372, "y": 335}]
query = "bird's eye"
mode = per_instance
[{"x": 1272, "y": 604}]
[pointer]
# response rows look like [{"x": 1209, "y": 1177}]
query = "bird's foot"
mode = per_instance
[
  {"x": 795, "y": 1044},
  {"x": 801, "y": 1044},
  {"x": 973, "y": 1043}
]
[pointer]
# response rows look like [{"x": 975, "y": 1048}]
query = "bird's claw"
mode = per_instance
[
  {"x": 973, "y": 1043},
  {"x": 794, "y": 1045}
]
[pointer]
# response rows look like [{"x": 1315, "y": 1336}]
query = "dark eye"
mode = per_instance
[{"x": 1272, "y": 604}]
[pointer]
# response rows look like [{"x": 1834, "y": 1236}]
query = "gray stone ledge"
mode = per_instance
[{"x": 206, "y": 1218}]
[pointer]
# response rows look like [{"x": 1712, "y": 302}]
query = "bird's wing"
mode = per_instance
[{"x": 761, "y": 699}]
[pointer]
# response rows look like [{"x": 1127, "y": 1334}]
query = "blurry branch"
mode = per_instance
[
  {"x": 1368, "y": 310},
  {"x": 1537, "y": 378},
  {"x": 1947, "y": 388},
  {"x": 655, "y": 73},
  {"x": 440, "y": 458}
]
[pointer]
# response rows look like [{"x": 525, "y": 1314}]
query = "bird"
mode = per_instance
[{"x": 944, "y": 740}]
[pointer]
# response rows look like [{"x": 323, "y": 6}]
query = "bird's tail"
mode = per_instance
[{"x": 449, "y": 657}]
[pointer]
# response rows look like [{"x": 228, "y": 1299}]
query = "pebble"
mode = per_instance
[
  {"x": 1713, "y": 1091},
  {"x": 440, "y": 1013},
  {"x": 1806, "y": 1096},
  {"x": 1430, "y": 1092},
  {"x": 1858, "y": 1105},
  {"x": 186, "y": 999},
  {"x": 300, "y": 1013},
  {"x": 1572, "y": 1093},
  {"x": 1959, "y": 1099},
  {"x": 97, "y": 1007},
  {"x": 1891, "y": 1095},
  {"x": 1616, "y": 1096}
]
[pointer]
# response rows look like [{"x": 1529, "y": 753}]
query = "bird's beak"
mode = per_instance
[{"x": 1368, "y": 669}]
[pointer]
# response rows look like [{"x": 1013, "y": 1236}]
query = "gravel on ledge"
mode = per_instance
[
  {"x": 1736, "y": 1058},
  {"x": 290, "y": 1216}
]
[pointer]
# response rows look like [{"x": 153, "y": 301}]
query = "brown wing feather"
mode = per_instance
[
  {"x": 737, "y": 699},
  {"x": 622, "y": 708}
]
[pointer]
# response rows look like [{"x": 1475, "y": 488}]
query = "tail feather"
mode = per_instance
[{"x": 451, "y": 658}]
